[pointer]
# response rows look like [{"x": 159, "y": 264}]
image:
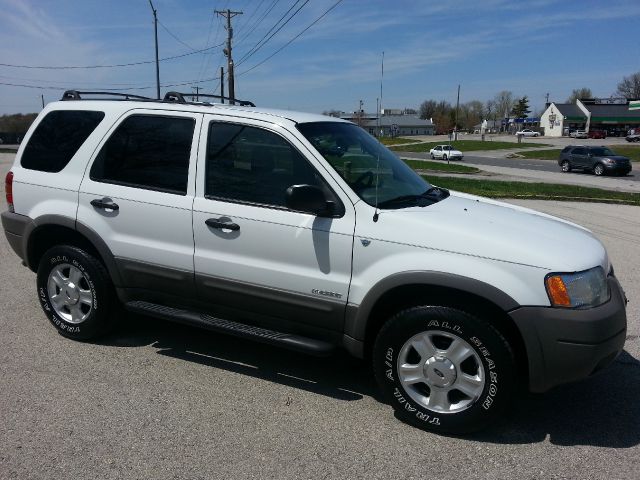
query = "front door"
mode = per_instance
[{"x": 253, "y": 255}]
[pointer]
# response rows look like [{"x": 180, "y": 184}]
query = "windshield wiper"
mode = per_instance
[{"x": 433, "y": 194}]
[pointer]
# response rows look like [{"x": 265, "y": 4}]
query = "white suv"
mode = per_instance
[{"x": 303, "y": 231}]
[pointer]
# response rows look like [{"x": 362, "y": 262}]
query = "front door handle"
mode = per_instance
[
  {"x": 101, "y": 203},
  {"x": 217, "y": 223}
]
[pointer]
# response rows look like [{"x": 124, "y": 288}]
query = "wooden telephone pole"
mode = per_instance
[{"x": 228, "y": 14}]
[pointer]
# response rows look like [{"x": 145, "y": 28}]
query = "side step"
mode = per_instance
[{"x": 286, "y": 340}]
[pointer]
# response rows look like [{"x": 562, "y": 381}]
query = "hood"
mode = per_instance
[
  {"x": 615, "y": 158},
  {"x": 471, "y": 225}
]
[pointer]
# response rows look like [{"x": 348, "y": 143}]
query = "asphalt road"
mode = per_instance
[
  {"x": 157, "y": 400},
  {"x": 518, "y": 163}
]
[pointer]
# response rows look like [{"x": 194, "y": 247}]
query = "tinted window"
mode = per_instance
[
  {"x": 147, "y": 151},
  {"x": 57, "y": 138},
  {"x": 253, "y": 165},
  {"x": 374, "y": 173},
  {"x": 579, "y": 151},
  {"x": 601, "y": 152}
]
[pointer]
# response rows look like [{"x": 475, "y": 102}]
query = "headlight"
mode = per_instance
[{"x": 577, "y": 290}]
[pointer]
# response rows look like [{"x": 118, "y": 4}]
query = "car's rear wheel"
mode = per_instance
[
  {"x": 444, "y": 370},
  {"x": 75, "y": 292},
  {"x": 598, "y": 169},
  {"x": 565, "y": 166},
  {"x": 444, "y": 157}
]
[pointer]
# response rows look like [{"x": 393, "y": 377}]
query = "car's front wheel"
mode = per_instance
[
  {"x": 444, "y": 370},
  {"x": 565, "y": 166},
  {"x": 598, "y": 169},
  {"x": 75, "y": 292}
]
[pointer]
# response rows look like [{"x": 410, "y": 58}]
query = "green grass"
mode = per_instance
[
  {"x": 395, "y": 140},
  {"x": 538, "y": 191},
  {"x": 467, "y": 146},
  {"x": 551, "y": 154},
  {"x": 440, "y": 166},
  {"x": 630, "y": 151}
]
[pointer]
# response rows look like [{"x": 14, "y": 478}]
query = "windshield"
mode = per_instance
[
  {"x": 601, "y": 152},
  {"x": 365, "y": 163}
]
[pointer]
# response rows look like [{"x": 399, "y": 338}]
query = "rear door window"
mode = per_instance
[
  {"x": 147, "y": 151},
  {"x": 57, "y": 138}
]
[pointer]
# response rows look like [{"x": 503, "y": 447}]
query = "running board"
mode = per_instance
[{"x": 286, "y": 340}]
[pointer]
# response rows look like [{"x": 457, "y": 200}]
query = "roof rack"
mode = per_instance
[
  {"x": 180, "y": 98},
  {"x": 172, "y": 97},
  {"x": 75, "y": 95}
]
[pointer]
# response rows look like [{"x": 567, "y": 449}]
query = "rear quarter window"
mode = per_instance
[{"x": 57, "y": 138}]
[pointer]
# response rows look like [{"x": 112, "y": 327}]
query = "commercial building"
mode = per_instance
[{"x": 593, "y": 114}]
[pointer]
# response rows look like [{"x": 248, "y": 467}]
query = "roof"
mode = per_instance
[
  {"x": 612, "y": 111},
  {"x": 570, "y": 110},
  {"x": 402, "y": 121}
]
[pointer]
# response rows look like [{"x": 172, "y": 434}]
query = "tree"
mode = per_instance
[
  {"x": 578, "y": 94},
  {"x": 521, "y": 108},
  {"x": 629, "y": 87},
  {"x": 473, "y": 114},
  {"x": 504, "y": 103},
  {"x": 427, "y": 109},
  {"x": 332, "y": 113},
  {"x": 490, "y": 110}
]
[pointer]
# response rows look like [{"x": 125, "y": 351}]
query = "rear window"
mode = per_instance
[{"x": 57, "y": 139}]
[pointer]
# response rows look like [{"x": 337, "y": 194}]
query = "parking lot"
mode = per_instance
[{"x": 157, "y": 400}]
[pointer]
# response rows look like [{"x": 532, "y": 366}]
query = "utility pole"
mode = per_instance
[
  {"x": 228, "y": 14},
  {"x": 197, "y": 89},
  {"x": 155, "y": 28},
  {"x": 455, "y": 127},
  {"x": 547, "y": 102},
  {"x": 42, "y": 97},
  {"x": 222, "y": 83}
]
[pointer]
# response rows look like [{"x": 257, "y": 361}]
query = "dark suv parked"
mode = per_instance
[{"x": 599, "y": 160}]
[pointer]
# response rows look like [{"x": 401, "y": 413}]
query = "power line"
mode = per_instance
[
  {"x": 294, "y": 38},
  {"x": 175, "y": 37},
  {"x": 258, "y": 21},
  {"x": 75, "y": 67},
  {"x": 262, "y": 43}
]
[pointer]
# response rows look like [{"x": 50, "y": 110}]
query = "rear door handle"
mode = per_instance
[
  {"x": 101, "y": 203},
  {"x": 217, "y": 223}
]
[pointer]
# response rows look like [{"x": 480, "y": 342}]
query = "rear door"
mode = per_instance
[
  {"x": 272, "y": 264},
  {"x": 579, "y": 158},
  {"x": 137, "y": 195}
]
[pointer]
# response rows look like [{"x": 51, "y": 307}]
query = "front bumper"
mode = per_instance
[
  {"x": 614, "y": 168},
  {"x": 564, "y": 345}
]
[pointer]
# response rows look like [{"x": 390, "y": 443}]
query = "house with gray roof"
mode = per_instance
[{"x": 392, "y": 125}]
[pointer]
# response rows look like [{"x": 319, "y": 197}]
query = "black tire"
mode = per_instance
[
  {"x": 598, "y": 169},
  {"x": 565, "y": 166},
  {"x": 489, "y": 359},
  {"x": 444, "y": 157},
  {"x": 93, "y": 280},
  {"x": 433, "y": 157}
]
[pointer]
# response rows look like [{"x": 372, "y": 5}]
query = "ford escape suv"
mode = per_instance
[{"x": 303, "y": 231}]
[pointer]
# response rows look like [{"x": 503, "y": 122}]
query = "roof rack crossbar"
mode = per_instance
[
  {"x": 181, "y": 98},
  {"x": 76, "y": 95}
]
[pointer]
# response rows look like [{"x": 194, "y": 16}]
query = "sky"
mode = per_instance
[{"x": 530, "y": 48}]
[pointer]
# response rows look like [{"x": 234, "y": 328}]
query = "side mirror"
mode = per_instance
[{"x": 309, "y": 199}]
